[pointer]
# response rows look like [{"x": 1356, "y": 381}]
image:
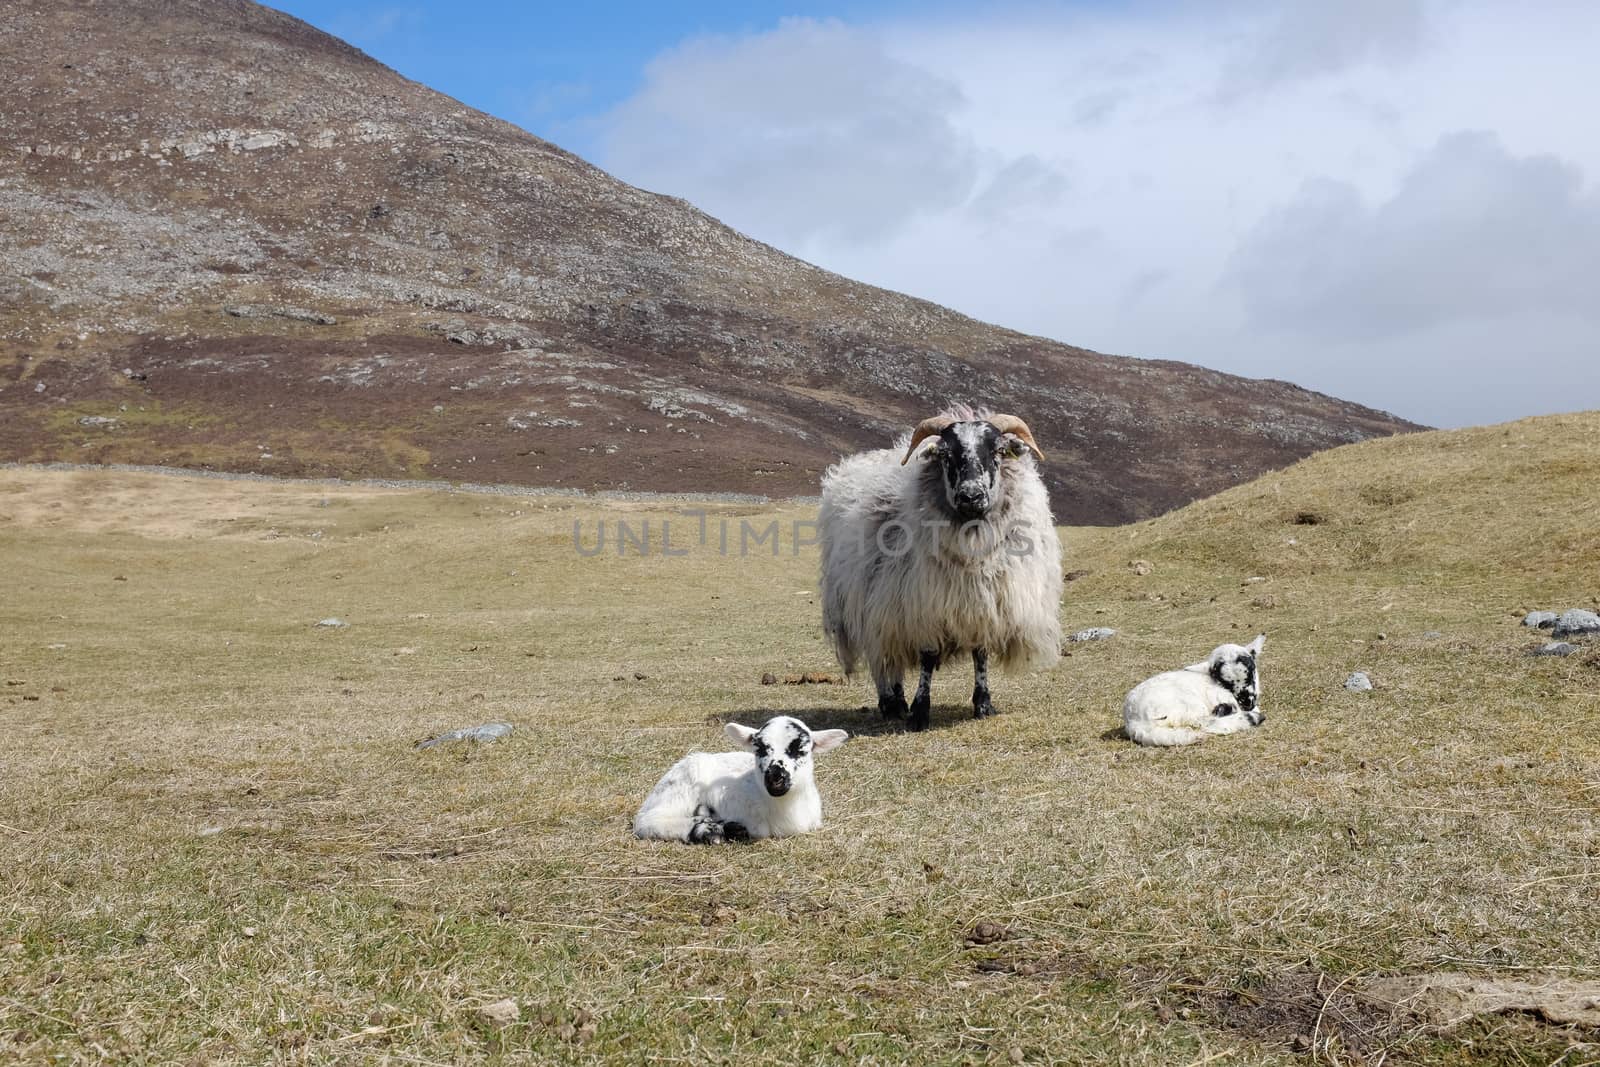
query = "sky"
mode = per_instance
[{"x": 1396, "y": 202}]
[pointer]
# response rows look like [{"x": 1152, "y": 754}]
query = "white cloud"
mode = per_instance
[
  {"x": 1378, "y": 200},
  {"x": 1472, "y": 233},
  {"x": 1315, "y": 38},
  {"x": 811, "y": 130}
]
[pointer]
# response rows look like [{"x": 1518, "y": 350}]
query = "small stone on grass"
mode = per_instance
[{"x": 501, "y": 1012}]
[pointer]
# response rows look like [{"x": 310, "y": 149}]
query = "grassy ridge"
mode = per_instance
[{"x": 219, "y": 842}]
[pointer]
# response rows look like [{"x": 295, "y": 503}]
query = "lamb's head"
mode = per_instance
[
  {"x": 972, "y": 453},
  {"x": 783, "y": 750},
  {"x": 1237, "y": 669}
]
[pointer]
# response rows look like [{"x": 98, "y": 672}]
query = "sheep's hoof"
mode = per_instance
[
  {"x": 705, "y": 832},
  {"x": 735, "y": 831},
  {"x": 917, "y": 721},
  {"x": 982, "y": 709},
  {"x": 892, "y": 706}
]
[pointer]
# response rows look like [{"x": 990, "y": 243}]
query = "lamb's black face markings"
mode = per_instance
[
  {"x": 782, "y": 750},
  {"x": 1222, "y": 711},
  {"x": 967, "y": 460},
  {"x": 1237, "y": 674}
]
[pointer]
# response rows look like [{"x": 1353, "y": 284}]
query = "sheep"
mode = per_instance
[
  {"x": 765, "y": 790},
  {"x": 933, "y": 554},
  {"x": 1219, "y": 695}
]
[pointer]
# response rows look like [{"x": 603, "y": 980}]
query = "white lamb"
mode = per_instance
[
  {"x": 767, "y": 790},
  {"x": 1219, "y": 695}
]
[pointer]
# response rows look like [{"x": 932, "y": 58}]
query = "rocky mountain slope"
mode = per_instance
[{"x": 234, "y": 241}]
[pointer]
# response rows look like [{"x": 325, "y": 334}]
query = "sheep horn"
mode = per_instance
[
  {"x": 925, "y": 429},
  {"x": 1013, "y": 425}
]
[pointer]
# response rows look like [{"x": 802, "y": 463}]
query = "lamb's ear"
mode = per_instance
[
  {"x": 1203, "y": 667},
  {"x": 1258, "y": 644},
  {"x": 822, "y": 740},
  {"x": 739, "y": 735}
]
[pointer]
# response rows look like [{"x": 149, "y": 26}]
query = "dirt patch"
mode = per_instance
[
  {"x": 1372, "y": 1018},
  {"x": 1308, "y": 1011},
  {"x": 1447, "y": 999}
]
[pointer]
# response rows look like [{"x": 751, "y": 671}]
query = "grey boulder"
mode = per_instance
[
  {"x": 489, "y": 731},
  {"x": 1577, "y": 621}
]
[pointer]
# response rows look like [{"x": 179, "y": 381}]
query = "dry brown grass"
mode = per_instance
[{"x": 219, "y": 843}]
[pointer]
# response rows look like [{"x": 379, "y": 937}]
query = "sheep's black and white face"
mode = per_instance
[
  {"x": 1236, "y": 668},
  {"x": 969, "y": 455},
  {"x": 783, "y": 749}
]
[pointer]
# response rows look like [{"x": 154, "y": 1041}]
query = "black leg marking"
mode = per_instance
[
  {"x": 735, "y": 831},
  {"x": 923, "y": 701},
  {"x": 892, "y": 705},
  {"x": 1222, "y": 711},
  {"x": 706, "y": 830},
  {"x": 982, "y": 706}
]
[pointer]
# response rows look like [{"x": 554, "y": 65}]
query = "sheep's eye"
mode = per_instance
[
  {"x": 761, "y": 750},
  {"x": 797, "y": 748}
]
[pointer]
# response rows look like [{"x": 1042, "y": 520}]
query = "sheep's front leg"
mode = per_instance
[
  {"x": 891, "y": 694},
  {"x": 923, "y": 701},
  {"x": 982, "y": 706}
]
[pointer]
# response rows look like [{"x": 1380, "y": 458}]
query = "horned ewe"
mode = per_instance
[
  {"x": 1219, "y": 695},
  {"x": 937, "y": 552},
  {"x": 767, "y": 790}
]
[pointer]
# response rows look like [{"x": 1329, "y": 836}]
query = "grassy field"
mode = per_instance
[{"x": 220, "y": 845}]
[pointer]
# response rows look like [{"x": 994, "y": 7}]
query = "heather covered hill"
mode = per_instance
[{"x": 234, "y": 241}]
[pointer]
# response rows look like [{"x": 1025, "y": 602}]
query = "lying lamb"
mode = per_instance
[
  {"x": 1219, "y": 695},
  {"x": 709, "y": 798}
]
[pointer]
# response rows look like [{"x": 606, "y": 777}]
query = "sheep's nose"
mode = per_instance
[
  {"x": 971, "y": 497},
  {"x": 777, "y": 780}
]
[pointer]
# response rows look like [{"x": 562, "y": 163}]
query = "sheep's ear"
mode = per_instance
[
  {"x": 1258, "y": 644},
  {"x": 1203, "y": 667},
  {"x": 823, "y": 740},
  {"x": 739, "y": 735}
]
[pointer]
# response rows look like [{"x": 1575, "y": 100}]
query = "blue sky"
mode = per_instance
[{"x": 1391, "y": 201}]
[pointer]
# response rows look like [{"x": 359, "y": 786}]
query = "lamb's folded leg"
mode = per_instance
[
  {"x": 923, "y": 701},
  {"x": 707, "y": 829},
  {"x": 982, "y": 706}
]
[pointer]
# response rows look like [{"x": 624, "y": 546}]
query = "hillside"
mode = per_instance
[
  {"x": 1485, "y": 503},
  {"x": 236, "y": 242}
]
